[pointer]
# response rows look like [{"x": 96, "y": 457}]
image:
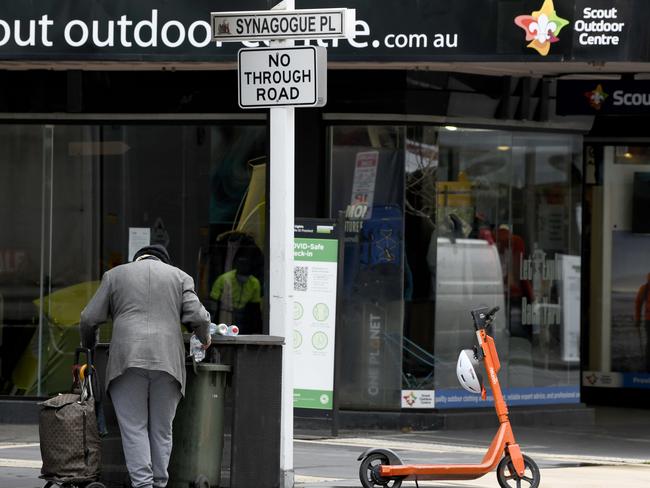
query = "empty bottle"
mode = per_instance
[{"x": 196, "y": 349}]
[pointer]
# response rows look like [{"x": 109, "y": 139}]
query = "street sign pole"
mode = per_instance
[
  {"x": 281, "y": 230},
  {"x": 282, "y": 78}
]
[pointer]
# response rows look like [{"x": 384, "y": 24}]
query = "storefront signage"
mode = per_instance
[
  {"x": 599, "y": 27},
  {"x": 600, "y": 379},
  {"x": 407, "y": 31},
  {"x": 293, "y": 24},
  {"x": 418, "y": 398},
  {"x": 603, "y": 97},
  {"x": 314, "y": 313},
  {"x": 606, "y": 29},
  {"x": 459, "y": 398},
  {"x": 542, "y": 27},
  {"x": 287, "y": 77},
  {"x": 375, "y": 332}
]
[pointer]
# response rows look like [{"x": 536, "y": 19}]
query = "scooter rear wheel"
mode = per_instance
[
  {"x": 369, "y": 472},
  {"x": 508, "y": 478}
]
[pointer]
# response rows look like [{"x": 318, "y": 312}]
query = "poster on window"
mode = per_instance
[
  {"x": 138, "y": 238},
  {"x": 569, "y": 284},
  {"x": 315, "y": 272},
  {"x": 363, "y": 184},
  {"x": 630, "y": 302}
]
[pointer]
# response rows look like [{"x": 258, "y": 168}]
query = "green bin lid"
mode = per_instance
[{"x": 213, "y": 367}]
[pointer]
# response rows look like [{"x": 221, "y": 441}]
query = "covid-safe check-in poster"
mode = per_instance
[{"x": 314, "y": 314}]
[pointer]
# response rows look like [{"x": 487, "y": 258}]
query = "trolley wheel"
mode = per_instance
[
  {"x": 95, "y": 484},
  {"x": 369, "y": 472},
  {"x": 508, "y": 478},
  {"x": 201, "y": 481}
]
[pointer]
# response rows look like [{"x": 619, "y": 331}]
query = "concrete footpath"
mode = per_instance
[{"x": 615, "y": 452}]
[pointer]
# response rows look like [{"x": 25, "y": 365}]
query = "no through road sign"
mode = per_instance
[{"x": 289, "y": 77}]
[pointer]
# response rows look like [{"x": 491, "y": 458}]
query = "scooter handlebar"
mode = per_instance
[{"x": 483, "y": 317}]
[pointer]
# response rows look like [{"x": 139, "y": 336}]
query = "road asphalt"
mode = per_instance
[{"x": 614, "y": 452}]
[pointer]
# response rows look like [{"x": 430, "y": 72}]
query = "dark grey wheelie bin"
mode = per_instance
[
  {"x": 198, "y": 428},
  {"x": 251, "y": 435}
]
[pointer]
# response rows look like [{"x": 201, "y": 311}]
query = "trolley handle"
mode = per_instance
[{"x": 87, "y": 352}]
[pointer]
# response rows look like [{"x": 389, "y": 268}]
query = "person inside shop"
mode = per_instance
[
  {"x": 642, "y": 304},
  {"x": 238, "y": 296},
  {"x": 145, "y": 374},
  {"x": 511, "y": 249}
]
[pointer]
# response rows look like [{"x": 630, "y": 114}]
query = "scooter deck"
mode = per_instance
[{"x": 436, "y": 471}]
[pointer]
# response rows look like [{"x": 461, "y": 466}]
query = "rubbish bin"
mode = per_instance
[
  {"x": 253, "y": 407},
  {"x": 198, "y": 428},
  {"x": 252, "y": 418}
]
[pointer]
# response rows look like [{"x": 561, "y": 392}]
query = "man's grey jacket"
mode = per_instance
[{"x": 148, "y": 301}]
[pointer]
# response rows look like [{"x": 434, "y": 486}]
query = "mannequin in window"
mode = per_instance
[{"x": 237, "y": 294}]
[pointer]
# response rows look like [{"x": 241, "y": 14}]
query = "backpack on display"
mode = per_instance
[{"x": 381, "y": 237}]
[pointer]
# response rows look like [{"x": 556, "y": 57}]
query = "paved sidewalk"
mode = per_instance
[
  {"x": 615, "y": 452},
  {"x": 588, "y": 477}
]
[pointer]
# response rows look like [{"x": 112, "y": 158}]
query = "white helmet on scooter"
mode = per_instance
[{"x": 469, "y": 378}]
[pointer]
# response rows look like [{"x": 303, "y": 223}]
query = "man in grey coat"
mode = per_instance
[{"x": 148, "y": 299}]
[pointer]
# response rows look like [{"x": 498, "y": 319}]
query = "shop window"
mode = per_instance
[
  {"x": 77, "y": 200},
  {"x": 619, "y": 353},
  {"x": 479, "y": 217}
]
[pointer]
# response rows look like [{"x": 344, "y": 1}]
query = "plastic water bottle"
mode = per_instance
[
  {"x": 196, "y": 349},
  {"x": 220, "y": 329},
  {"x": 233, "y": 330}
]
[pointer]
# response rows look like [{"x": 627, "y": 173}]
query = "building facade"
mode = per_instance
[{"x": 468, "y": 144}]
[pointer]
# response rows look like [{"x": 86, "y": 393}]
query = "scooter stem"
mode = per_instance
[
  {"x": 505, "y": 438},
  {"x": 492, "y": 367}
]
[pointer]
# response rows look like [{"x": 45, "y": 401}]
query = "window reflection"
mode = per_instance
[
  {"x": 70, "y": 197},
  {"x": 488, "y": 218}
]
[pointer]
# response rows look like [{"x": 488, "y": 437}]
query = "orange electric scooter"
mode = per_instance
[{"x": 383, "y": 468}]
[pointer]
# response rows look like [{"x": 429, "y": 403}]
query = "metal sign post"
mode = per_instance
[
  {"x": 281, "y": 78},
  {"x": 281, "y": 221}
]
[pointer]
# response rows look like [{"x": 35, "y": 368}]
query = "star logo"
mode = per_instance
[
  {"x": 596, "y": 97},
  {"x": 410, "y": 398},
  {"x": 542, "y": 27}
]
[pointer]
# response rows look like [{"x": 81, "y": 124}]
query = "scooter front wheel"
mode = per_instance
[
  {"x": 369, "y": 472},
  {"x": 508, "y": 478}
]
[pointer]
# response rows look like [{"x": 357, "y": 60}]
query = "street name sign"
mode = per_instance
[
  {"x": 268, "y": 25},
  {"x": 282, "y": 77}
]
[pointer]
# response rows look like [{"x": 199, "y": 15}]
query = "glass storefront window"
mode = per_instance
[
  {"x": 441, "y": 220},
  {"x": 73, "y": 200},
  {"x": 628, "y": 303}
]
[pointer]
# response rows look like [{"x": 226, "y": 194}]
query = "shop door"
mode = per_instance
[
  {"x": 618, "y": 198},
  {"x": 48, "y": 252}
]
